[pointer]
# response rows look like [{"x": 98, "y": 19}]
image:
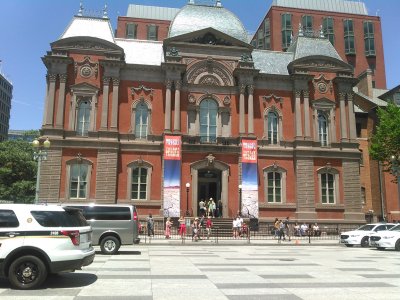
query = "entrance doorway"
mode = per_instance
[{"x": 209, "y": 186}]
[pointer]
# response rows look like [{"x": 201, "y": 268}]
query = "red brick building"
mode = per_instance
[
  {"x": 356, "y": 36},
  {"x": 112, "y": 102}
]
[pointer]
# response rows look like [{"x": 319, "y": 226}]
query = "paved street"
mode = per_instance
[{"x": 169, "y": 270}]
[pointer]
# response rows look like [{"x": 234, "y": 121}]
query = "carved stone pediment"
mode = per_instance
[
  {"x": 209, "y": 72},
  {"x": 319, "y": 63}
]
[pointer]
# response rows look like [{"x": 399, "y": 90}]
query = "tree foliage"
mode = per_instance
[
  {"x": 17, "y": 171},
  {"x": 385, "y": 141}
]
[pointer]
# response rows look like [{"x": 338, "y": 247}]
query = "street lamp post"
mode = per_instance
[
  {"x": 396, "y": 172},
  {"x": 187, "y": 199},
  {"x": 240, "y": 199},
  {"x": 39, "y": 154}
]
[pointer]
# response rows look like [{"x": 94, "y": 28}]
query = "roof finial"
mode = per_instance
[
  {"x": 105, "y": 14},
  {"x": 300, "y": 30},
  {"x": 321, "y": 32},
  {"x": 218, "y": 4},
  {"x": 80, "y": 12}
]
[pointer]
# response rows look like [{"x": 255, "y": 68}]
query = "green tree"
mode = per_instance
[
  {"x": 385, "y": 141},
  {"x": 17, "y": 171}
]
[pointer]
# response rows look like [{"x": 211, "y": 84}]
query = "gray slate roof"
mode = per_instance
[
  {"x": 341, "y": 6},
  {"x": 272, "y": 62},
  {"x": 309, "y": 46},
  {"x": 151, "y": 12},
  {"x": 196, "y": 17},
  {"x": 89, "y": 26}
]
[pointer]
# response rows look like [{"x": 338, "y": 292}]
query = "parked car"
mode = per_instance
[
  {"x": 113, "y": 225},
  {"x": 361, "y": 235},
  {"x": 386, "y": 239},
  {"x": 37, "y": 240}
]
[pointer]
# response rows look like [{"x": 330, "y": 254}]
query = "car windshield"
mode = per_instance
[
  {"x": 367, "y": 227},
  {"x": 395, "y": 228}
]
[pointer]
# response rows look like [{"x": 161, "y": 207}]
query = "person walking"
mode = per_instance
[
  {"x": 182, "y": 227},
  {"x": 220, "y": 208},
  {"x": 168, "y": 225},
  {"x": 150, "y": 225},
  {"x": 202, "y": 208},
  {"x": 287, "y": 228},
  {"x": 195, "y": 229},
  {"x": 281, "y": 231},
  {"x": 276, "y": 228},
  {"x": 209, "y": 225}
]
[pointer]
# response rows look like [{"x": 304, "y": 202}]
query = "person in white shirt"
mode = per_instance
[
  {"x": 316, "y": 230},
  {"x": 303, "y": 229}
]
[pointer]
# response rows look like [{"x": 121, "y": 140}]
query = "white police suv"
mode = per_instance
[
  {"x": 361, "y": 235},
  {"x": 37, "y": 240},
  {"x": 386, "y": 239}
]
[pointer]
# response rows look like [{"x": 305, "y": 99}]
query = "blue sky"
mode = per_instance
[{"x": 29, "y": 26}]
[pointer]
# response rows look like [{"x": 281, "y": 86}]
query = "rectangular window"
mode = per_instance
[
  {"x": 78, "y": 182},
  {"x": 327, "y": 188},
  {"x": 267, "y": 34},
  {"x": 327, "y": 27},
  {"x": 260, "y": 39},
  {"x": 139, "y": 184},
  {"x": 152, "y": 32},
  {"x": 307, "y": 24},
  {"x": 274, "y": 187},
  {"x": 369, "y": 40},
  {"x": 131, "y": 31},
  {"x": 349, "y": 47},
  {"x": 286, "y": 30}
]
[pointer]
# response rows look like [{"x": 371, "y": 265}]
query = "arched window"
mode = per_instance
[
  {"x": 141, "y": 120},
  {"x": 83, "y": 119},
  {"x": 274, "y": 187},
  {"x": 322, "y": 129},
  {"x": 272, "y": 127},
  {"x": 328, "y": 185},
  {"x": 78, "y": 181},
  {"x": 208, "y": 121}
]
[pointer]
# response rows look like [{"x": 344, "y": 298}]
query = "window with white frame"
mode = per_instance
[
  {"x": 83, "y": 117},
  {"x": 273, "y": 124},
  {"x": 275, "y": 184},
  {"x": 78, "y": 181},
  {"x": 323, "y": 128},
  {"x": 141, "y": 120},
  {"x": 139, "y": 180},
  {"x": 286, "y": 25},
  {"x": 208, "y": 120},
  {"x": 328, "y": 185}
]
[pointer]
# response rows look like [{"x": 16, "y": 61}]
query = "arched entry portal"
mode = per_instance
[{"x": 210, "y": 179}]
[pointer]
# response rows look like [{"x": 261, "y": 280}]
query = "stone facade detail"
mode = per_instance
[
  {"x": 352, "y": 190},
  {"x": 305, "y": 193},
  {"x": 50, "y": 176},
  {"x": 106, "y": 176}
]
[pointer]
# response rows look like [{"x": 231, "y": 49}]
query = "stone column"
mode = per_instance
[
  {"x": 297, "y": 108},
  {"x": 114, "y": 107},
  {"x": 343, "y": 117},
  {"x": 104, "y": 109},
  {"x": 250, "y": 108},
  {"x": 352, "y": 118},
  {"x": 46, "y": 100},
  {"x": 177, "y": 110},
  {"x": 307, "y": 130},
  {"x": 61, "y": 101},
  {"x": 242, "y": 129},
  {"x": 50, "y": 100},
  {"x": 167, "y": 125}
]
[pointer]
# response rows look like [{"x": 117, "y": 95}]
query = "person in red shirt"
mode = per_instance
[{"x": 208, "y": 227}]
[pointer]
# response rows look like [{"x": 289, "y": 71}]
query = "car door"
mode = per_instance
[{"x": 11, "y": 233}]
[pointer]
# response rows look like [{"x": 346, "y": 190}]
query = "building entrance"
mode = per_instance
[{"x": 209, "y": 186}]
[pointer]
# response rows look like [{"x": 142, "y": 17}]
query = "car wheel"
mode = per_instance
[
  {"x": 381, "y": 248},
  {"x": 349, "y": 245},
  {"x": 27, "y": 272},
  {"x": 397, "y": 245},
  {"x": 365, "y": 242},
  {"x": 109, "y": 245}
]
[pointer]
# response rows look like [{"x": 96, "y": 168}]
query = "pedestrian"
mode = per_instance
[
  {"x": 234, "y": 228},
  {"x": 287, "y": 228},
  {"x": 150, "y": 225},
  {"x": 220, "y": 208},
  {"x": 211, "y": 205},
  {"x": 202, "y": 208},
  {"x": 276, "y": 228},
  {"x": 182, "y": 227},
  {"x": 168, "y": 225},
  {"x": 209, "y": 225},
  {"x": 281, "y": 231},
  {"x": 195, "y": 229}
]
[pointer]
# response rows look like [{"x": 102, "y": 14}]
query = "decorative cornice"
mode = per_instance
[
  {"x": 274, "y": 97},
  {"x": 142, "y": 88}
]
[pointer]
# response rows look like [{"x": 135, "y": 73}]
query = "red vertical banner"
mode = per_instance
[
  {"x": 249, "y": 194},
  {"x": 172, "y": 175}
]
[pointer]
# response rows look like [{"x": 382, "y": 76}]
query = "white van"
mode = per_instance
[{"x": 113, "y": 225}]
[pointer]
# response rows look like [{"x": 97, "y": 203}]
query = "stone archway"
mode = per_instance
[{"x": 210, "y": 163}]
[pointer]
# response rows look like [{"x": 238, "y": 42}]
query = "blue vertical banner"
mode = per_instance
[
  {"x": 249, "y": 179},
  {"x": 172, "y": 175}
]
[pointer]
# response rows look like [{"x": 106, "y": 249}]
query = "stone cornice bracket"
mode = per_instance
[
  {"x": 50, "y": 60},
  {"x": 86, "y": 67},
  {"x": 142, "y": 88},
  {"x": 272, "y": 97},
  {"x": 210, "y": 160}
]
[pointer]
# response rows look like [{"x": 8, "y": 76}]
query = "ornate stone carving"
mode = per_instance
[
  {"x": 242, "y": 88},
  {"x": 297, "y": 93},
  {"x": 209, "y": 80},
  {"x": 63, "y": 78},
  {"x": 178, "y": 84},
  {"x": 342, "y": 96},
  {"x": 210, "y": 160},
  {"x": 322, "y": 84},
  {"x": 173, "y": 52},
  {"x": 227, "y": 100},
  {"x": 349, "y": 97},
  {"x": 115, "y": 81},
  {"x": 272, "y": 97},
  {"x": 86, "y": 68},
  {"x": 192, "y": 99},
  {"x": 106, "y": 80},
  {"x": 306, "y": 94},
  {"x": 250, "y": 89},
  {"x": 210, "y": 39},
  {"x": 141, "y": 88},
  {"x": 246, "y": 57},
  {"x": 52, "y": 77},
  {"x": 168, "y": 83}
]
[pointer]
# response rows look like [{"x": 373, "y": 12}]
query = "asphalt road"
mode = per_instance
[{"x": 205, "y": 271}]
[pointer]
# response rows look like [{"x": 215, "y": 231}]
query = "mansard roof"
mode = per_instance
[
  {"x": 272, "y": 62},
  {"x": 305, "y": 46}
]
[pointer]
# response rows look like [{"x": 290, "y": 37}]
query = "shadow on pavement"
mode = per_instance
[
  {"x": 69, "y": 280},
  {"x": 126, "y": 252}
]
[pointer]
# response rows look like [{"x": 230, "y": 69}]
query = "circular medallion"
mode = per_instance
[
  {"x": 322, "y": 87},
  {"x": 86, "y": 71},
  {"x": 227, "y": 100}
]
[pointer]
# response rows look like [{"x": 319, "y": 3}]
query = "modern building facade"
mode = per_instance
[
  {"x": 268, "y": 133},
  {"x": 6, "y": 88},
  {"x": 356, "y": 36}
]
